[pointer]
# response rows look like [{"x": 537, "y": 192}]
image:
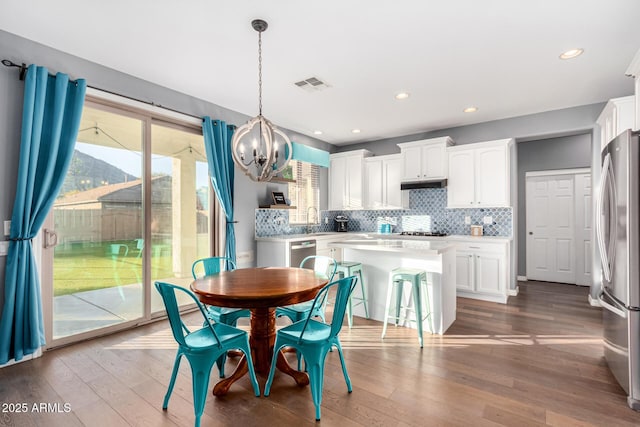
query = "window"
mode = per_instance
[{"x": 304, "y": 193}]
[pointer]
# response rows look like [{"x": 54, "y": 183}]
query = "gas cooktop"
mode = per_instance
[{"x": 423, "y": 233}]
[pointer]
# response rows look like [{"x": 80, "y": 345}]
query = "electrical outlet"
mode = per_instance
[
  {"x": 467, "y": 220},
  {"x": 7, "y": 228},
  {"x": 487, "y": 220},
  {"x": 326, "y": 220}
]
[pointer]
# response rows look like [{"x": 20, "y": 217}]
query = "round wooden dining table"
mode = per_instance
[{"x": 261, "y": 290}]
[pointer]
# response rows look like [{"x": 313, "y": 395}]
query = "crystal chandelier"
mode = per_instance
[{"x": 262, "y": 136}]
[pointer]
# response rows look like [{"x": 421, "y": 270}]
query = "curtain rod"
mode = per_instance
[{"x": 23, "y": 71}]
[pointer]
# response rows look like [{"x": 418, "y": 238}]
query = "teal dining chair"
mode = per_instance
[
  {"x": 323, "y": 266},
  {"x": 315, "y": 339},
  {"x": 201, "y": 347},
  {"x": 228, "y": 316}
]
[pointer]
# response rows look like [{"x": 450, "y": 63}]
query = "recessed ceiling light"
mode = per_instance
[
  {"x": 402, "y": 95},
  {"x": 317, "y": 132},
  {"x": 572, "y": 53},
  {"x": 470, "y": 110},
  {"x": 355, "y": 131}
]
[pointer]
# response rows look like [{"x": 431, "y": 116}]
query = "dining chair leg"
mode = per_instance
[
  {"x": 344, "y": 367},
  {"x": 272, "y": 370},
  {"x": 172, "y": 382},
  {"x": 252, "y": 373},
  {"x": 316, "y": 380},
  {"x": 200, "y": 370}
]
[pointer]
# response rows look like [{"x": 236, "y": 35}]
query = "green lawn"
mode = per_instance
[{"x": 86, "y": 268}]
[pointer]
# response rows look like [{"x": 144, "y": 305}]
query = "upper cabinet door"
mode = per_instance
[
  {"x": 346, "y": 180},
  {"x": 434, "y": 161},
  {"x": 460, "y": 185},
  {"x": 480, "y": 175},
  {"x": 492, "y": 177},
  {"x": 393, "y": 197},
  {"x": 355, "y": 189},
  {"x": 412, "y": 163},
  {"x": 426, "y": 159},
  {"x": 382, "y": 183},
  {"x": 337, "y": 179},
  {"x": 374, "y": 183}
]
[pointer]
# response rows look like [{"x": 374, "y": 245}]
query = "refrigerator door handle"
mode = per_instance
[
  {"x": 620, "y": 310},
  {"x": 606, "y": 271}
]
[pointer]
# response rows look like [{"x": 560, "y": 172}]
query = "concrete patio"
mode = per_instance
[{"x": 84, "y": 311}]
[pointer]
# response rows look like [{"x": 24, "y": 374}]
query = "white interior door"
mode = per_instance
[
  {"x": 584, "y": 221},
  {"x": 550, "y": 212}
]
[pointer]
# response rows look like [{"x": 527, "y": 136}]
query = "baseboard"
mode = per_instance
[
  {"x": 594, "y": 301},
  {"x": 37, "y": 354},
  {"x": 502, "y": 299},
  {"x": 521, "y": 278},
  {"x": 513, "y": 292}
]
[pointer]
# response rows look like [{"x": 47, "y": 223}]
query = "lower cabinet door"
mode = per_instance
[
  {"x": 464, "y": 271},
  {"x": 489, "y": 273}
]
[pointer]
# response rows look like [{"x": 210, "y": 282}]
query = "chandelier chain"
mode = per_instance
[{"x": 260, "y": 73}]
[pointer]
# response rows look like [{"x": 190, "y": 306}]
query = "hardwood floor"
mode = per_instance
[{"x": 535, "y": 361}]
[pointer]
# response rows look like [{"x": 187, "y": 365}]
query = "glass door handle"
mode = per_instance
[{"x": 50, "y": 239}]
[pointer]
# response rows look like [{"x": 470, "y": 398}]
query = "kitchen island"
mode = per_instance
[{"x": 379, "y": 256}]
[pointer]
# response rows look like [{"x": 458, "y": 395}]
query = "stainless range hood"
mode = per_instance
[{"x": 436, "y": 183}]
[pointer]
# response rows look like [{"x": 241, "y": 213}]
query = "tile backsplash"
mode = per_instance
[{"x": 427, "y": 212}]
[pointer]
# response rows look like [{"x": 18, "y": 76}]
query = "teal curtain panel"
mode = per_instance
[
  {"x": 50, "y": 121},
  {"x": 217, "y": 143}
]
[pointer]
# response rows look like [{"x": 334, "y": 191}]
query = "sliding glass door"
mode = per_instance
[
  {"x": 134, "y": 208},
  {"x": 180, "y": 220}
]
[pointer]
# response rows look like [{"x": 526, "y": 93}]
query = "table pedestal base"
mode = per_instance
[{"x": 261, "y": 340}]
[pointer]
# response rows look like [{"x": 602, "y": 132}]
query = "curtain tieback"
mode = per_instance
[
  {"x": 20, "y": 239},
  {"x": 232, "y": 222}
]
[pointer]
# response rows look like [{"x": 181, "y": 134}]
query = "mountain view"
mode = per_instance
[{"x": 86, "y": 172}]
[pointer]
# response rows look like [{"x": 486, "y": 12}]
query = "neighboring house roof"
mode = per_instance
[{"x": 124, "y": 192}]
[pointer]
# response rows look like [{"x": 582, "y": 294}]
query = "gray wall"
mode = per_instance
[
  {"x": 248, "y": 194},
  {"x": 548, "y": 154},
  {"x": 568, "y": 121}
]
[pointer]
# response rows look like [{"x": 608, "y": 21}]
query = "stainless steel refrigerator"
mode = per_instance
[{"x": 618, "y": 237}]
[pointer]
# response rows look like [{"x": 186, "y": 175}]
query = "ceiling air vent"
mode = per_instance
[{"x": 311, "y": 84}]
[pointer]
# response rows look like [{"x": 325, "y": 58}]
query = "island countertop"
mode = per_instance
[{"x": 417, "y": 247}]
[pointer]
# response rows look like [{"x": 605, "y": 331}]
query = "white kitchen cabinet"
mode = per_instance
[
  {"x": 480, "y": 175},
  {"x": 322, "y": 248},
  {"x": 618, "y": 114},
  {"x": 346, "y": 184},
  {"x": 382, "y": 183},
  {"x": 481, "y": 271},
  {"x": 425, "y": 159}
]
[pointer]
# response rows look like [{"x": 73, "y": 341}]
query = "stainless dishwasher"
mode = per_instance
[{"x": 300, "y": 250}]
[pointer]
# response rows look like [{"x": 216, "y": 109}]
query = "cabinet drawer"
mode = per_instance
[{"x": 481, "y": 247}]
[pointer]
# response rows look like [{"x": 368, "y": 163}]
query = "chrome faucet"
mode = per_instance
[{"x": 309, "y": 228}]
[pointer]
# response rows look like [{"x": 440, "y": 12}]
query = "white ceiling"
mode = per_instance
[{"x": 499, "y": 55}]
